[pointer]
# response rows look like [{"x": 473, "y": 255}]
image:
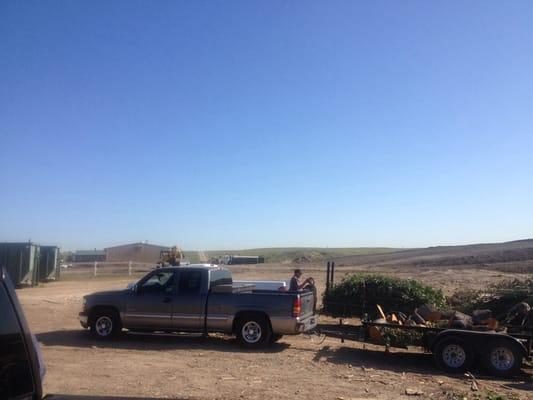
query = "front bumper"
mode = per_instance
[{"x": 83, "y": 320}]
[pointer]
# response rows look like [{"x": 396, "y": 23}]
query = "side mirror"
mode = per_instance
[{"x": 133, "y": 287}]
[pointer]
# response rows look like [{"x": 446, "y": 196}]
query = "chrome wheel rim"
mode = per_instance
[
  {"x": 104, "y": 326},
  {"x": 453, "y": 355},
  {"x": 251, "y": 332},
  {"x": 502, "y": 358}
]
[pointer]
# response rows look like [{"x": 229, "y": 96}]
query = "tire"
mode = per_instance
[
  {"x": 275, "y": 338},
  {"x": 453, "y": 355},
  {"x": 105, "y": 324},
  {"x": 253, "y": 331},
  {"x": 502, "y": 358}
]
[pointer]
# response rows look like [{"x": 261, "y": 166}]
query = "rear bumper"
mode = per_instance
[
  {"x": 83, "y": 320},
  {"x": 293, "y": 326}
]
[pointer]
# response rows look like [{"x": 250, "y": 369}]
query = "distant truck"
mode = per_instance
[{"x": 199, "y": 299}]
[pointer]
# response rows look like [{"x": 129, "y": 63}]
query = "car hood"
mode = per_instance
[{"x": 107, "y": 293}]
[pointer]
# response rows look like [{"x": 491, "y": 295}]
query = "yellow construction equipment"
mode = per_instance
[{"x": 171, "y": 257}]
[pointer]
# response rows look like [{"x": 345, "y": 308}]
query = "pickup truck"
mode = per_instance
[{"x": 199, "y": 299}]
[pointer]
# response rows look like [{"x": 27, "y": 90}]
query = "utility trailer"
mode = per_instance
[{"x": 454, "y": 350}]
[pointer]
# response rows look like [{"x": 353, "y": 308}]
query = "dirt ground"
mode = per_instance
[{"x": 184, "y": 367}]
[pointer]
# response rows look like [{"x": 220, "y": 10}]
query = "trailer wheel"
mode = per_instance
[
  {"x": 502, "y": 358},
  {"x": 253, "y": 331},
  {"x": 453, "y": 355}
]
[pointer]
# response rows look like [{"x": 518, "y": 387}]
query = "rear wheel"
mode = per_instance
[
  {"x": 453, "y": 355},
  {"x": 502, "y": 358},
  {"x": 105, "y": 324},
  {"x": 253, "y": 330},
  {"x": 275, "y": 338}
]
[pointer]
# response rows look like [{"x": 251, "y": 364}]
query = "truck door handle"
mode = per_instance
[{"x": 167, "y": 300}]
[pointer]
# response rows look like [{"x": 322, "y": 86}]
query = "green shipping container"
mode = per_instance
[
  {"x": 48, "y": 263},
  {"x": 21, "y": 260}
]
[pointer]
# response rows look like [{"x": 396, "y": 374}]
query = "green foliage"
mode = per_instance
[
  {"x": 358, "y": 294},
  {"x": 498, "y": 297},
  {"x": 396, "y": 337}
]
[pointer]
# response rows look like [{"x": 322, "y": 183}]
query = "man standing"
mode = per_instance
[
  {"x": 295, "y": 284},
  {"x": 308, "y": 284}
]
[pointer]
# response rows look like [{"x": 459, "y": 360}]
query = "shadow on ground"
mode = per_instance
[
  {"x": 408, "y": 361},
  {"x": 79, "y": 397},
  {"x": 378, "y": 359},
  {"x": 138, "y": 341}
]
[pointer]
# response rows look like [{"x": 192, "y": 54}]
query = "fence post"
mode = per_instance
[
  {"x": 95, "y": 267},
  {"x": 327, "y": 278},
  {"x": 129, "y": 268}
]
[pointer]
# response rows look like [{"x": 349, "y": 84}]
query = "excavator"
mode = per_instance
[{"x": 171, "y": 257}]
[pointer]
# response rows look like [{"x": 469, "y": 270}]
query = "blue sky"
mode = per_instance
[{"x": 237, "y": 124}]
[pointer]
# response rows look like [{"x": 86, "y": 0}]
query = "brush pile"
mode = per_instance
[
  {"x": 498, "y": 297},
  {"x": 359, "y": 294}
]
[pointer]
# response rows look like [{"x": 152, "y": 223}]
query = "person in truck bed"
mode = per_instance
[
  {"x": 308, "y": 284},
  {"x": 295, "y": 284}
]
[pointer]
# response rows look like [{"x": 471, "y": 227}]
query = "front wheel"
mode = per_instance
[
  {"x": 502, "y": 358},
  {"x": 105, "y": 324},
  {"x": 453, "y": 355},
  {"x": 253, "y": 331}
]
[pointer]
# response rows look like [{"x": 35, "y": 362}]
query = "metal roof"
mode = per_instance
[
  {"x": 143, "y": 244},
  {"x": 89, "y": 253}
]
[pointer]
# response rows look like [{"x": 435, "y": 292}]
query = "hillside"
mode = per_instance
[
  {"x": 508, "y": 255},
  {"x": 294, "y": 254}
]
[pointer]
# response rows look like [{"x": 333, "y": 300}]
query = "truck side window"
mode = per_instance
[
  {"x": 15, "y": 370},
  {"x": 190, "y": 282},
  {"x": 159, "y": 282}
]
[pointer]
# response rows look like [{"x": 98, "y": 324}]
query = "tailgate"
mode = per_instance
[{"x": 308, "y": 304}]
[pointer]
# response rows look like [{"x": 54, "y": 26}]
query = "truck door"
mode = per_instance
[
  {"x": 189, "y": 307},
  {"x": 150, "y": 306}
]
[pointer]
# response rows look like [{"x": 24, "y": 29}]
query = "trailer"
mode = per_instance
[{"x": 454, "y": 350}]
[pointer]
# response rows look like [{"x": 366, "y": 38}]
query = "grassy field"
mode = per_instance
[{"x": 293, "y": 254}]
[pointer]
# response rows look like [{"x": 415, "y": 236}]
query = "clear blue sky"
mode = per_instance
[{"x": 233, "y": 124}]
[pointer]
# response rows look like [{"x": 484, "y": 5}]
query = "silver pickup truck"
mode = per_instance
[{"x": 199, "y": 299}]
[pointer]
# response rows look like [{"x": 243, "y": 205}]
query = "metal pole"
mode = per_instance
[
  {"x": 129, "y": 268},
  {"x": 327, "y": 278},
  {"x": 95, "y": 266},
  {"x": 20, "y": 268},
  {"x": 332, "y": 273}
]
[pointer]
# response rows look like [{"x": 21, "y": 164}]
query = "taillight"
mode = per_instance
[{"x": 297, "y": 306}]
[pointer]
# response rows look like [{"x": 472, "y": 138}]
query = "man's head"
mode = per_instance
[{"x": 297, "y": 272}]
